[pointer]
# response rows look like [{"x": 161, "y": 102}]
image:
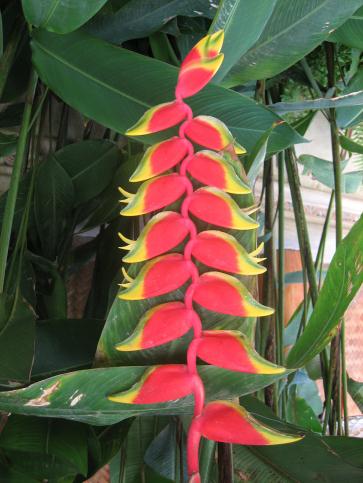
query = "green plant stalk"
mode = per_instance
[
  {"x": 281, "y": 261},
  {"x": 304, "y": 243},
  {"x": 306, "y": 67},
  {"x": 281, "y": 274},
  {"x": 15, "y": 179},
  {"x": 330, "y": 56},
  {"x": 268, "y": 332}
]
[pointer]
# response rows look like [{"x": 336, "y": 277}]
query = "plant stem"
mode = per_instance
[
  {"x": 330, "y": 57},
  {"x": 304, "y": 243},
  {"x": 301, "y": 225},
  {"x": 15, "y": 179},
  {"x": 225, "y": 463},
  {"x": 281, "y": 262},
  {"x": 304, "y": 64},
  {"x": 269, "y": 289}
]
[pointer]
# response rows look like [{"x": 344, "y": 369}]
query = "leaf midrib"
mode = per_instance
[
  {"x": 50, "y": 13},
  {"x": 287, "y": 29},
  {"x": 90, "y": 77}
]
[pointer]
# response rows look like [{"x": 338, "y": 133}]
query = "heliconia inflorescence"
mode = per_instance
[{"x": 218, "y": 290}]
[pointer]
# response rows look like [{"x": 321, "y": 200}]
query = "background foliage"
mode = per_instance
[{"x": 73, "y": 77}]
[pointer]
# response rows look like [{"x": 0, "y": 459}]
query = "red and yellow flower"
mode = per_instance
[{"x": 163, "y": 272}]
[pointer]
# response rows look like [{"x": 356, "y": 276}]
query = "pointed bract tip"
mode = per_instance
[
  {"x": 125, "y": 239},
  {"x": 125, "y": 193},
  {"x": 239, "y": 149},
  {"x": 126, "y": 275},
  {"x": 216, "y": 40},
  {"x": 258, "y": 250}
]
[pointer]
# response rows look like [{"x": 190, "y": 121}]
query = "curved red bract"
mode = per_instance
[{"x": 215, "y": 291}]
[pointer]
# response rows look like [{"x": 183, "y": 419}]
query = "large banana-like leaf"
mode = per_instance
[
  {"x": 115, "y": 87},
  {"x": 243, "y": 22},
  {"x": 83, "y": 395},
  {"x": 61, "y": 15},
  {"x": 318, "y": 458},
  {"x": 294, "y": 29},
  {"x": 343, "y": 280}
]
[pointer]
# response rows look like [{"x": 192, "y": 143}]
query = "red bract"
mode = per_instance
[
  {"x": 159, "y": 384},
  {"x": 215, "y": 291},
  {"x": 164, "y": 232}
]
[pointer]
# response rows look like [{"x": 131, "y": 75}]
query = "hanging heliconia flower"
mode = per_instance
[{"x": 164, "y": 272}]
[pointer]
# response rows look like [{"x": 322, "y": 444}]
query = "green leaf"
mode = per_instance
[
  {"x": 17, "y": 334},
  {"x": 129, "y": 462},
  {"x": 355, "y": 389},
  {"x": 343, "y": 279},
  {"x": 91, "y": 165},
  {"x": 243, "y": 22},
  {"x": 60, "y": 16},
  {"x": 53, "y": 201},
  {"x": 300, "y": 412},
  {"x": 256, "y": 158},
  {"x": 322, "y": 170},
  {"x": 12, "y": 475},
  {"x": 58, "y": 348},
  {"x": 47, "y": 449},
  {"x": 107, "y": 267},
  {"x": 108, "y": 203},
  {"x": 353, "y": 114},
  {"x": 82, "y": 395},
  {"x": 294, "y": 29},
  {"x": 11, "y": 116},
  {"x": 105, "y": 442},
  {"x": 314, "y": 458},
  {"x": 53, "y": 293},
  {"x": 162, "y": 455},
  {"x": 350, "y": 100},
  {"x": 351, "y": 32},
  {"x": 7, "y": 144},
  {"x": 140, "y": 18},
  {"x": 1, "y": 35},
  {"x": 349, "y": 145},
  {"x": 115, "y": 86},
  {"x": 302, "y": 124}
]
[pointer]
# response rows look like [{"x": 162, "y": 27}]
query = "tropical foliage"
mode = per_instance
[{"x": 191, "y": 102}]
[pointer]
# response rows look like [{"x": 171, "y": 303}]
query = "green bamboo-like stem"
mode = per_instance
[
  {"x": 15, "y": 179},
  {"x": 269, "y": 289},
  {"x": 281, "y": 275},
  {"x": 281, "y": 261},
  {"x": 304, "y": 243},
  {"x": 330, "y": 58},
  {"x": 301, "y": 225}
]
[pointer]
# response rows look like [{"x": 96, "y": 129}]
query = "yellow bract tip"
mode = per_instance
[
  {"x": 126, "y": 275},
  {"x": 125, "y": 193},
  {"x": 258, "y": 250},
  {"x": 125, "y": 239},
  {"x": 238, "y": 148},
  {"x": 126, "y": 247}
]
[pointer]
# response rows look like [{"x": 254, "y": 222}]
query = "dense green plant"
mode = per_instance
[{"x": 74, "y": 76}]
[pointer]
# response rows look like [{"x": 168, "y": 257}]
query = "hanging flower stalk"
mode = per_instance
[{"x": 219, "y": 290}]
